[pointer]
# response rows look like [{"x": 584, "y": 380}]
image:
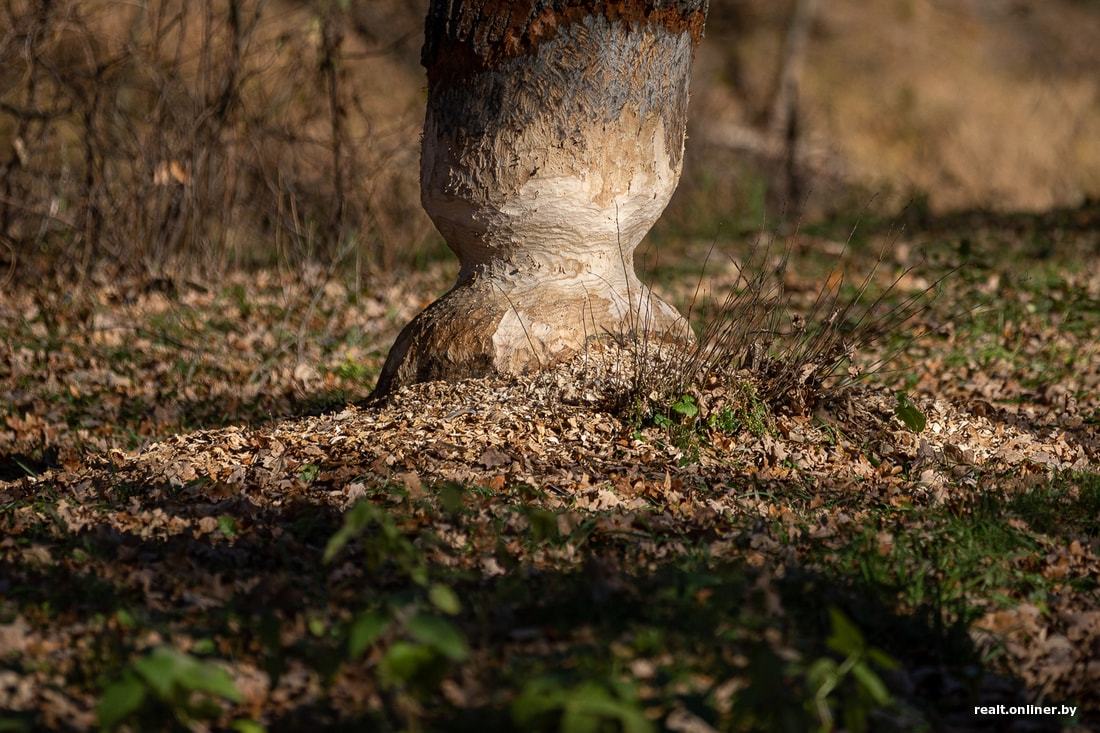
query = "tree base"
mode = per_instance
[{"x": 488, "y": 325}]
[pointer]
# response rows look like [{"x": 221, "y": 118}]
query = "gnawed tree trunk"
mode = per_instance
[{"x": 553, "y": 141}]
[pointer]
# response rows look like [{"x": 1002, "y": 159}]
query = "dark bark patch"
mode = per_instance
[{"x": 464, "y": 37}]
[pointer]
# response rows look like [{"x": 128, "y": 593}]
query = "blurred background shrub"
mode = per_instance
[{"x": 224, "y": 133}]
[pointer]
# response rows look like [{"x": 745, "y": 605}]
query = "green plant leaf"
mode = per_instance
[
  {"x": 845, "y": 637},
  {"x": 539, "y": 697},
  {"x": 125, "y": 619},
  {"x": 821, "y": 672},
  {"x": 165, "y": 668},
  {"x": 317, "y": 626},
  {"x": 444, "y": 599},
  {"x": 872, "y": 683},
  {"x": 160, "y": 670},
  {"x": 365, "y": 631},
  {"x": 209, "y": 678},
  {"x": 403, "y": 660},
  {"x": 882, "y": 659},
  {"x": 590, "y": 704},
  {"x": 685, "y": 406},
  {"x": 119, "y": 701},
  {"x": 418, "y": 574},
  {"x": 575, "y": 720},
  {"x": 248, "y": 726},
  {"x": 583, "y": 709},
  {"x": 439, "y": 634},
  {"x": 908, "y": 413},
  {"x": 308, "y": 473},
  {"x": 227, "y": 525},
  {"x": 358, "y": 518}
]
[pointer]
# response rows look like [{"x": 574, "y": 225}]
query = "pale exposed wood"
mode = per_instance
[{"x": 553, "y": 140}]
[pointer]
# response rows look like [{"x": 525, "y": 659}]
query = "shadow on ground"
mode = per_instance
[{"x": 730, "y": 641}]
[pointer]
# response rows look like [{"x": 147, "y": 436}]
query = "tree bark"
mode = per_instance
[{"x": 553, "y": 140}]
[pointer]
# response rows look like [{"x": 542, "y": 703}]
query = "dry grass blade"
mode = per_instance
[{"x": 796, "y": 357}]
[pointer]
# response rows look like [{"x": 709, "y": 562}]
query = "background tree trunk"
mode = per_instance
[{"x": 553, "y": 141}]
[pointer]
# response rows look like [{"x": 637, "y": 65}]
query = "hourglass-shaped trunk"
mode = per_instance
[{"x": 553, "y": 140}]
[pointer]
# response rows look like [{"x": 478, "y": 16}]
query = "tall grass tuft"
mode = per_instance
[{"x": 792, "y": 357}]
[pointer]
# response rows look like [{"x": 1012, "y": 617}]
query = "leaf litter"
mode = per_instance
[{"x": 111, "y": 491}]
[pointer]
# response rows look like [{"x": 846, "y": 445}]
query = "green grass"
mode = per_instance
[
  {"x": 954, "y": 565},
  {"x": 1067, "y": 506}
]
